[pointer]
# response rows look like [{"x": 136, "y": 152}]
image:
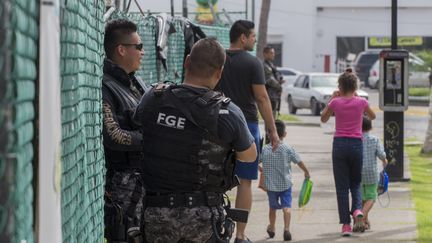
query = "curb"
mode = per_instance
[
  {"x": 303, "y": 124},
  {"x": 413, "y": 143},
  {"x": 418, "y": 100},
  {"x": 299, "y": 123}
]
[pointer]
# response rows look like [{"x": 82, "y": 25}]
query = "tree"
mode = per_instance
[
  {"x": 263, "y": 26},
  {"x": 427, "y": 145}
]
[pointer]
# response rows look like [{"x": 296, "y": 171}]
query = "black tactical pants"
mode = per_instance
[
  {"x": 182, "y": 224},
  {"x": 123, "y": 205}
]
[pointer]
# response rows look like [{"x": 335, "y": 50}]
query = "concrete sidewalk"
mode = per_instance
[{"x": 318, "y": 221}]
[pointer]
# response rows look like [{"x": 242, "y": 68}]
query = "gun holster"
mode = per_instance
[
  {"x": 237, "y": 214},
  {"x": 134, "y": 235},
  {"x": 115, "y": 228},
  {"x": 222, "y": 233}
]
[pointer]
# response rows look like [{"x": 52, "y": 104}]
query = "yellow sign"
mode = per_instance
[{"x": 402, "y": 41}]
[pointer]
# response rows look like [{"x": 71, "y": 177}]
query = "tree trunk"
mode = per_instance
[
  {"x": 427, "y": 145},
  {"x": 263, "y": 26}
]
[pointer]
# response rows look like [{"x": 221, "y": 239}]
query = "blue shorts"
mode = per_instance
[
  {"x": 279, "y": 200},
  {"x": 249, "y": 170}
]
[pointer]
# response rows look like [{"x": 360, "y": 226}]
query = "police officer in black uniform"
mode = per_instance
[
  {"x": 121, "y": 92},
  {"x": 190, "y": 133},
  {"x": 273, "y": 78}
]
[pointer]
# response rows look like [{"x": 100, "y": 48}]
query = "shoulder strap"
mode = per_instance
[
  {"x": 141, "y": 83},
  {"x": 119, "y": 91},
  {"x": 209, "y": 98}
]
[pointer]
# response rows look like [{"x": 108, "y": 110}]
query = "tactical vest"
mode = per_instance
[
  {"x": 272, "y": 77},
  {"x": 182, "y": 152}
]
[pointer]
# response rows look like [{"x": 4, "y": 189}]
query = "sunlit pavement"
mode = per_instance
[{"x": 318, "y": 221}]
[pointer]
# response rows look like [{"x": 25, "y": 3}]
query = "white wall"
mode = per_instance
[
  {"x": 295, "y": 22},
  {"x": 336, "y": 22},
  {"x": 307, "y": 34},
  {"x": 363, "y": 21}
]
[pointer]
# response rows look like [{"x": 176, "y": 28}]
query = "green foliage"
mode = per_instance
[
  {"x": 418, "y": 91},
  {"x": 426, "y": 55},
  {"x": 287, "y": 118},
  {"x": 283, "y": 117},
  {"x": 421, "y": 185}
]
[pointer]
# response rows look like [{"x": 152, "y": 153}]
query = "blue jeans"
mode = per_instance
[
  {"x": 347, "y": 166},
  {"x": 249, "y": 171}
]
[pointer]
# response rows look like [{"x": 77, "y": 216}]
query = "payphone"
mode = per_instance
[{"x": 393, "y": 85}]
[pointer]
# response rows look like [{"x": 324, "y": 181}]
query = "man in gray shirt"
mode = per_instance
[{"x": 273, "y": 78}]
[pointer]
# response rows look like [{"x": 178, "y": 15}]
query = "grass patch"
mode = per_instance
[
  {"x": 287, "y": 118},
  {"x": 421, "y": 186},
  {"x": 411, "y": 139},
  {"x": 419, "y": 91},
  {"x": 283, "y": 117}
]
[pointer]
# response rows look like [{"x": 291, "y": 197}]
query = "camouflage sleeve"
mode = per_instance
[
  {"x": 114, "y": 136},
  {"x": 270, "y": 79},
  {"x": 267, "y": 71}
]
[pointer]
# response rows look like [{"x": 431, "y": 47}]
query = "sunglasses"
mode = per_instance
[{"x": 139, "y": 46}]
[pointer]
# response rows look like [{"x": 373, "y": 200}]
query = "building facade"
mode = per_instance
[{"x": 318, "y": 35}]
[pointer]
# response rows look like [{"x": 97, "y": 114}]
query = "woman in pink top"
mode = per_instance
[{"x": 347, "y": 153}]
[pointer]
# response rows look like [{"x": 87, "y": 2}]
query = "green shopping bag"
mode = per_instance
[{"x": 305, "y": 192}]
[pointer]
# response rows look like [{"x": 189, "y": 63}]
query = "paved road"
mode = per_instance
[{"x": 318, "y": 221}]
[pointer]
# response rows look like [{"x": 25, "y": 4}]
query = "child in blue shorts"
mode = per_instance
[
  {"x": 372, "y": 148},
  {"x": 278, "y": 181}
]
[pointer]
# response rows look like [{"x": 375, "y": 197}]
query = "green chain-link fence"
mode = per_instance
[
  {"x": 152, "y": 70},
  {"x": 220, "y": 33},
  {"x": 82, "y": 153},
  {"x": 147, "y": 31},
  {"x": 82, "y": 52},
  {"x": 18, "y": 56},
  {"x": 81, "y": 74}
]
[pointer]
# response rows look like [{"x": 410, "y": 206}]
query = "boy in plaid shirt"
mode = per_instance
[
  {"x": 372, "y": 148},
  {"x": 278, "y": 180}
]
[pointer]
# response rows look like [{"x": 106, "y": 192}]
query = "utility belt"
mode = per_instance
[{"x": 190, "y": 200}]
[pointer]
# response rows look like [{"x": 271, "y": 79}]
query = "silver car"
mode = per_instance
[
  {"x": 313, "y": 91},
  {"x": 289, "y": 76},
  {"x": 418, "y": 73}
]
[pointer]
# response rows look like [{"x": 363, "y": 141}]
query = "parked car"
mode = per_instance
[
  {"x": 418, "y": 73},
  {"x": 313, "y": 91},
  {"x": 289, "y": 75},
  {"x": 363, "y": 63}
]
